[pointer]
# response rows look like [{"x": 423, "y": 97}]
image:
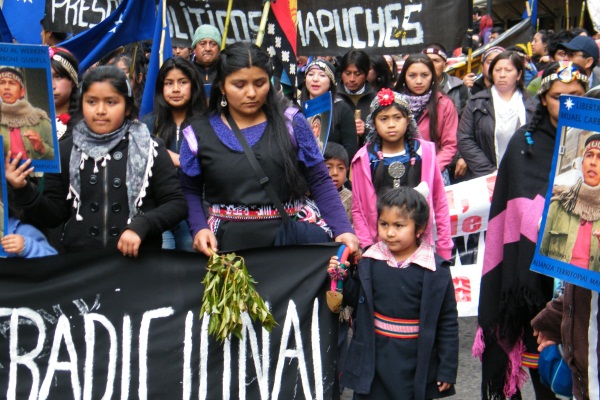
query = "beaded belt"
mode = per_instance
[
  {"x": 396, "y": 328},
  {"x": 253, "y": 212}
]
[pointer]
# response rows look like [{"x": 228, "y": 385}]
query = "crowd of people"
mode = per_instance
[{"x": 224, "y": 159}]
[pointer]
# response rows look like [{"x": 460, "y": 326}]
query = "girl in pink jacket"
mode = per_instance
[{"x": 393, "y": 157}]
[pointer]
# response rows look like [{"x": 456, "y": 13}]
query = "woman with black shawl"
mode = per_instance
[{"x": 511, "y": 295}]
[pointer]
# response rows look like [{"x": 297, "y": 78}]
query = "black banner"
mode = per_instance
[
  {"x": 184, "y": 16},
  {"x": 98, "y": 325},
  {"x": 324, "y": 28},
  {"x": 77, "y": 15},
  {"x": 379, "y": 27}
]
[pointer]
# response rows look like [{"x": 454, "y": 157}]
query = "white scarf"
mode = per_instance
[{"x": 509, "y": 116}]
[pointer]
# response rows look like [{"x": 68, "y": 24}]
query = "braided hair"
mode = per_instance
[
  {"x": 409, "y": 139},
  {"x": 541, "y": 111}
]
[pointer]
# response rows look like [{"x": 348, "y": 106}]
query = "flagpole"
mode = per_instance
[
  {"x": 263, "y": 23},
  {"x": 161, "y": 49},
  {"x": 582, "y": 14},
  {"x": 227, "y": 21}
]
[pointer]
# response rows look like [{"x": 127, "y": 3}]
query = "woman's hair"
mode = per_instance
[
  {"x": 117, "y": 79},
  {"x": 134, "y": 58},
  {"x": 384, "y": 77},
  {"x": 556, "y": 40},
  {"x": 60, "y": 70},
  {"x": 544, "y": 36},
  {"x": 305, "y": 96},
  {"x": 485, "y": 22},
  {"x": 247, "y": 55},
  {"x": 578, "y": 31},
  {"x": 516, "y": 60},
  {"x": 164, "y": 127},
  {"x": 497, "y": 29},
  {"x": 358, "y": 58},
  {"x": 409, "y": 138},
  {"x": 541, "y": 112},
  {"x": 409, "y": 202},
  {"x": 434, "y": 135}
]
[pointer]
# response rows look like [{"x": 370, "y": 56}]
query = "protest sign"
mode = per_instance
[
  {"x": 324, "y": 28},
  {"x": 469, "y": 206},
  {"x": 380, "y": 27},
  {"x": 318, "y": 113},
  {"x": 99, "y": 325},
  {"x": 26, "y": 70},
  {"x": 568, "y": 246}
]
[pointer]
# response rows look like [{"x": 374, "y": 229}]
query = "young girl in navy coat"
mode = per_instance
[{"x": 405, "y": 327}]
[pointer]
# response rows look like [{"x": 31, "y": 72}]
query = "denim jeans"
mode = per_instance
[{"x": 178, "y": 238}]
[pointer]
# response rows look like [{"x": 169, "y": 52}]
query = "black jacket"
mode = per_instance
[
  {"x": 363, "y": 104},
  {"x": 437, "y": 354},
  {"x": 104, "y": 203},
  {"x": 343, "y": 128},
  {"x": 207, "y": 74},
  {"x": 476, "y": 133}
]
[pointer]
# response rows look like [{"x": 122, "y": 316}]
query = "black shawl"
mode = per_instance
[{"x": 511, "y": 295}]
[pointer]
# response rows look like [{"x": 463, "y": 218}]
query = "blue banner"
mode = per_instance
[
  {"x": 318, "y": 112},
  {"x": 132, "y": 21}
]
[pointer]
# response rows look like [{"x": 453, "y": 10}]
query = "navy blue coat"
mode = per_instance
[{"x": 438, "y": 333}]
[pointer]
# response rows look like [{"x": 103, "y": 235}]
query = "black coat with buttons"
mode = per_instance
[{"x": 104, "y": 203}]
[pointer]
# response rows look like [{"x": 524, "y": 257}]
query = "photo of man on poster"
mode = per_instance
[
  {"x": 572, "y": 231},
  {"x": 24, "y": 128}
]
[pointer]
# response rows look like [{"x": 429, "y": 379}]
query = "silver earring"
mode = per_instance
[{"x": 223, "y": 101}]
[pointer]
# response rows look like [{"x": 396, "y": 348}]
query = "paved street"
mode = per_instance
[{"x": 469, "y": 370}]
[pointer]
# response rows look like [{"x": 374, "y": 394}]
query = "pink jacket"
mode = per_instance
[
  {"x": 447, "y": 128},
  {"x": 364, "y": 200}
]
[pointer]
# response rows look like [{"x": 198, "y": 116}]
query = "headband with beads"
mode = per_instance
[
  {"x": 65, "y": 64},
  {"x": 566, "y": 73}
]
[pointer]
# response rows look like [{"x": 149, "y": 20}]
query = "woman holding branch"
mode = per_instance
[{"x": 244, "y": 106}]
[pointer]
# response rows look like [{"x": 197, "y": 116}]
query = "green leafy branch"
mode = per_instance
[{"x": 228, "y": 292}]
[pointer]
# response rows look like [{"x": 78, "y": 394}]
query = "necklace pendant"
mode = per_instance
[{"x": 396, "y": 171}]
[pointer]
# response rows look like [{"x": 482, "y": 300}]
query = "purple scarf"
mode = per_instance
[{"x": 418, "y": 104}]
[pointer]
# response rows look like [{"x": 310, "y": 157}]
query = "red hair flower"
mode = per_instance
[
  {"x": 64, "y": 118},
  {"x": 385, "y": 97}
]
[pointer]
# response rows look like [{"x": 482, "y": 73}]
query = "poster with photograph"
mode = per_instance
[
  {"x": 3, "y": 206},
  {"x": 568, "y": 245},
  {"x": 318, "y": 113},
  {"x": 27, "y": 118}
]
